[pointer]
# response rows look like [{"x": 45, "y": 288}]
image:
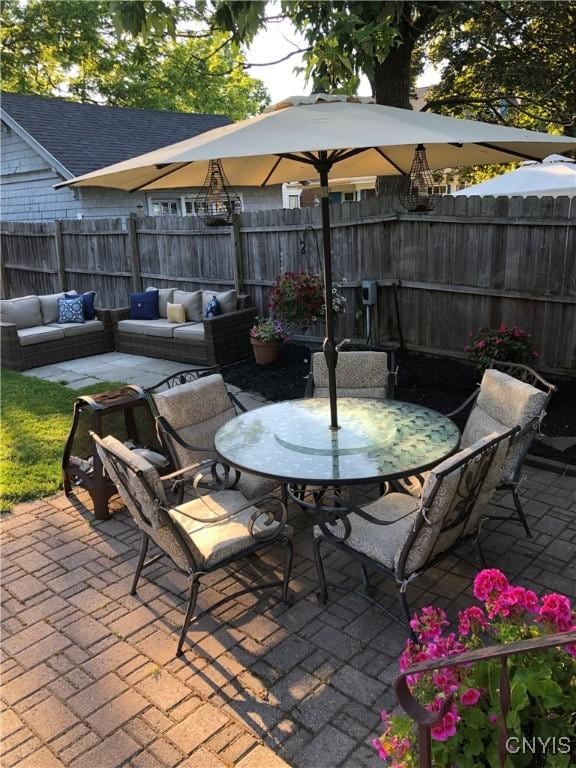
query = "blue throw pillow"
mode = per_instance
[
  {"x": 71, "y": 310},
  {"x": 144, "y": 306},
  {"x": 87, "y": 302},
  {"x": 213, "y": 309}
]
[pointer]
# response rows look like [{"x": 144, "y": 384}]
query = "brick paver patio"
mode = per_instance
[{"x": 89, "y": 674}]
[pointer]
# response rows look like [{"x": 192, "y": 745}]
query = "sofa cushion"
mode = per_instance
[
  {"x": 87, "y": 303},
  {"x": 176, "y": 313},
  {"x": 190, "y": 332},
  {"x": 164, "y": 296},
  {"x": 144, "y": 306},
  {"x": 71, "y": 310},
  {"x": 228, "y": 301},
  {"x": 24, "y": 312},
  {"x": 159, "y": 327},
  {"x": 79, "y": 329},
  {"x": 49, "y": 305},
  {"x": 192, "y": 301},
  {"x": 38, "y": 334}
]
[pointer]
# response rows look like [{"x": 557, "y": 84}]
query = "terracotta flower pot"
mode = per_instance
[{"x": 266, "y": 352}]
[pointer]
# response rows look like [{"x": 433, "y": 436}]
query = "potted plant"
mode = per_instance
[
  {"x": 543, "y": 683},
  {"x": 266, "y": 337}
]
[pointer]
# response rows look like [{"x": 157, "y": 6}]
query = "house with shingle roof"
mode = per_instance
[{"x": 47, "y": 140}]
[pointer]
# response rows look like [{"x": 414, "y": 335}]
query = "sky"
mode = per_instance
[{"x": 278, "y": 40}]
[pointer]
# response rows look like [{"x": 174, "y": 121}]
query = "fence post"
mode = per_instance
[
  {"x": 4, "y": 292},
  {"x": 134, "y": 253},
  {"x": 237, "y": 255},
  {"x": 60, "y": 256}
]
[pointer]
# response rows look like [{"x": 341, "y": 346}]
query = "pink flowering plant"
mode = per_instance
[
  {"x": 267, "y": 329},
  {"x": 297, "y": 298},
  {"x": 543, "y": 683},
  {"x": 507, "y": 344}
]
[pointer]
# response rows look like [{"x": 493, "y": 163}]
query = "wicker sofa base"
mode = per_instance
[
  {"x": 226, "y": 339},
  {"x": 19, "y": 358},
  {"x": 161, "y": 347}
]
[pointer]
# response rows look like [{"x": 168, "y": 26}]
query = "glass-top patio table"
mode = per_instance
[{"x": 377, "y": 441}]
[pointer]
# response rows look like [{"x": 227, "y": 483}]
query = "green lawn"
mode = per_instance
[{"x": 35, "y": 421}]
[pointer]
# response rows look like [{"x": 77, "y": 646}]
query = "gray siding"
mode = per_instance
[{"x": 28, "y": 194}]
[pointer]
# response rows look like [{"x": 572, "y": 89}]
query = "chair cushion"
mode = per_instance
[
  {"x": 440, "y": 501},
  {"x": 228, "y": 301},
  {"x": 357, "y": 374},
  {"x": 192, "y": 301},
  {"x": 39, "y": 334},
  {"x": 377, "y": 392},
  {"x": 252, "y": 486},
  {"x": 218, "y": 540},
  {"x": 504, "y": 402},
  {"x": 382, "y": 543},
  {"x": 71, "y": 310},
  {"x": 176, "y": 313},
  {"x": 190, "y": 331},
  {"x": 88, "y": 299},
  {"x": 144, "y": 306},
  {"x": 158, "y": 327},
  {"x": 79, "y": 329},
  {"x": 196, "y": 411},
  {"x": 164, "y": 296},
  {"x": 49, "y": 305},
  {"x": 23, "y": 312}
]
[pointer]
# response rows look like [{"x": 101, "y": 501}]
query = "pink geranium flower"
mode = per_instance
[
  {"x": 429, "y": 623},
  {"x": 446, "y": 728},
  {"x": 470, "y": 697},
  {"x": 556, "y": 610},
  {"x": 472, "y": 619},
  {"x": 489, "y": 583}
]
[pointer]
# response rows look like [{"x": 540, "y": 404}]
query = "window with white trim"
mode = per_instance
[{"x": 165, "y": 208}]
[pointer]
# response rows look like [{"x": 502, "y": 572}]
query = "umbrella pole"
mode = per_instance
[{"x": 329, "y": 347}]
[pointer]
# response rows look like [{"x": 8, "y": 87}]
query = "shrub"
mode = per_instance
[
  {"x": 543, "y": 683},
  {"x": 509, "y": 345}
]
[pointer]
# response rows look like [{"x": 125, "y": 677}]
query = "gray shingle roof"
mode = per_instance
[{"x": 85, "y": 137}]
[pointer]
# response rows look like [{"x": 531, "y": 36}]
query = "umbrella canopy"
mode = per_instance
[
  {"x": 364, "y": 139},
  {"x": 303, "y": 138},
  {"x": 555, "y": 176}
]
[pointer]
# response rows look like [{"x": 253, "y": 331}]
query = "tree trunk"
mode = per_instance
[{"x": 392, "y": 83}]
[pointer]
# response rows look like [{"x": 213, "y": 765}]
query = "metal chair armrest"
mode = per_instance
[{"x": 469, "y": 401}]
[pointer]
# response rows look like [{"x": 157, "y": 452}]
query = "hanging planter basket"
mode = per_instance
[
  {"x": 217, "y": 202},
  {"x": 417, "y": 190}
]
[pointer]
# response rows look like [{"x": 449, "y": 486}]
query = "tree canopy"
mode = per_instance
[
  {"x": 73, "y": 48},
  {"x": 512, "y": 63}
]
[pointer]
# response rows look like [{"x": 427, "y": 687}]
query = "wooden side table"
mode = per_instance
[{"x": 89, "y": 472}]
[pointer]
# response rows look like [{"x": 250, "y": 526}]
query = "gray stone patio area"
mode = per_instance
[
  {"x": 90, "y": 679},
  {"x": 89, "y": 674}
]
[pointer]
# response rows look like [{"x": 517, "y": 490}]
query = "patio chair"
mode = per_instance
[
  {"x": 188, "y": 408},
  {"x": 509, "y": 395},
  {"x": 200, "y": 536},
  {"x": 362, "y": 371},
  {"x": 402, "y": 536}
]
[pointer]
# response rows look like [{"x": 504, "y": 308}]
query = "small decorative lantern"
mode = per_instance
[
  {"x": 417, "y": 189},
  {"x": 217, "y": 201}
]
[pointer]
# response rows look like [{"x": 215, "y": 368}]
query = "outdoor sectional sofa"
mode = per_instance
[
  {"x": 30, "y": 335},
  {"x": 214, "y": 341}
]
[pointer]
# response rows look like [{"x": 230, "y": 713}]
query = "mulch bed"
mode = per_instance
[{"x": 439, "y": 383}]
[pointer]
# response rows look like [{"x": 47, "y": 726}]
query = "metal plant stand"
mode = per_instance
[{"x": 89, "y": 472}]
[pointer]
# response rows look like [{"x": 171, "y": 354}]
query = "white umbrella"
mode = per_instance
[
  {"x": 305, "y": 137},
  {"x": 555, "y": 176}
]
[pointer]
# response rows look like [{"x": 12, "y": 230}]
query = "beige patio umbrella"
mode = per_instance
[{"x": 304, "y": 138}]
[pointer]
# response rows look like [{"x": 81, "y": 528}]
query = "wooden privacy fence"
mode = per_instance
[{"x": 472, "y": 262}]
